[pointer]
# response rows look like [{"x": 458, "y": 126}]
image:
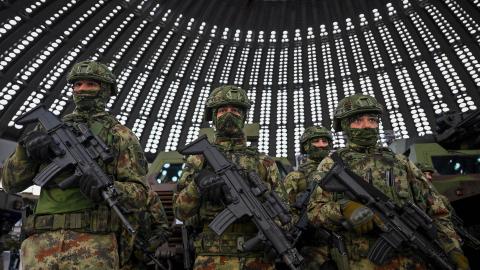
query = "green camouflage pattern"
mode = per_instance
[
  {"x": 155, "y": 232},
  {"x": 230, "y": 262},
  {"x": 160, "y": 229},
  {"x": 128, "y": 169},
  {"x": 409, "y": 185},
  {"x": 226, "y": 95},
  {"x": 315, "y": 252},
  {"x": 352, "y": 105},
  {"x": 314, "y": 132},
  {"x": 424, "y": 167},
  {"x": 222, "y": 250},
  {"x": 66, "y": 249},
  {"x": 297, "y": 181},
  {"x": 91, "y": 70}
]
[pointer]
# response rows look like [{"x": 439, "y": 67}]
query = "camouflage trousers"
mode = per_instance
[
  {"x": 231, "y": 263},
  {"x": 397, "y": 263},
  {"x": 65, "y": 249}
]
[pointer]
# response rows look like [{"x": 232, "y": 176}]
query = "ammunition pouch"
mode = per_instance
[
  {"x": 227, "y": 244},
  {"x": 100, "y": 220}
]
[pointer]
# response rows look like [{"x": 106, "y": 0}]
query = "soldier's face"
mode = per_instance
[
  {"x": 321, "y": 143},
  {"x": 365, "y": 121},
  {"x": 428, "y": 175},
  {"x": 229, "y": 109},
  {"x": 86, "y": 88}
]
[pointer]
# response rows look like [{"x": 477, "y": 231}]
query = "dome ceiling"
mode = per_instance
[{"x": 296, "y": 59}]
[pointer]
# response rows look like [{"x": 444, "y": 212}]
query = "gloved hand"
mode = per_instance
[
  {"x": 212, "y": 187},
  {"x": 40, "y": 146},
  {"x": 90, "y": 188},
  {"x": 164, "y": 251},
  {"x": 460, "y": 261},
  {"x": 358, "y": 216}
]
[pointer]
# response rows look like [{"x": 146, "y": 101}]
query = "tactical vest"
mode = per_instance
[
  {"x": 69, "y": 208},
  {"x": 382, "y": 168},
  {"x": 389, "y": 173},
  {"x": 208, "y": 242}
]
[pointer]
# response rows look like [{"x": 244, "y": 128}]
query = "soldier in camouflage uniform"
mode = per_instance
[
  {"x": 227, "y": 106},
  {"x": 73, "y": 228},
  {"x": 358, "y": 116},
  {"x": 315, "y": 143},
  {"x": 427, "y": 170}
]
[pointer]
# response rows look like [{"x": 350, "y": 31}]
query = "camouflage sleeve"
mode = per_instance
[
  {"x": 323, "y": 210},
  {"x": 193, "y": 165},
  {"x": 188, "y": 202},
  {"x": 130, "y": 169},
  {"x": 160, "y": 228},
  {"x": 269, "y": 172},
  {"x": 293, "y": 183},
  {"x": 427, "y": 197},
  {"x": 18, "y": 171}
]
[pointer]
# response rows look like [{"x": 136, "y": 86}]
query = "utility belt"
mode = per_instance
[
  {"x": 229, "y": 243},
  {"x": 100, "y": 220}
]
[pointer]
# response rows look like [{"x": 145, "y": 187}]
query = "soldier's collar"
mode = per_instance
[
  {"x": 84, "y": 117},
  {"x": 230, "y": 143},
  {"x": 363, "y": 149},
  {"x": 308, "y": 164}
]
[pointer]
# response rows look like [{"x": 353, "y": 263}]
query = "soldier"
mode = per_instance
[
  {"x": 73, "y": 228},
  {"x": 359, "y": 116},
  {"x": 427, "y": 170},
  {"x": 227, "y": 106},
  {"x": 316, "y": 142}
]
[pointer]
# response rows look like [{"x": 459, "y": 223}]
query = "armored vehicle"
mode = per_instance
[{"x": 454, "y": 154}]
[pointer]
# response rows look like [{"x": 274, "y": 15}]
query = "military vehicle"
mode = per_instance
[{"x": 454, "y": 153}]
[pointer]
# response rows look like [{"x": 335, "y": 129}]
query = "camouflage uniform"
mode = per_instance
[
  {"x": 313, "y": 250},
  {"x": 69, "y": 230},
  {"x": 220, "y": 252},
  {"x": 372, "y": 162}
]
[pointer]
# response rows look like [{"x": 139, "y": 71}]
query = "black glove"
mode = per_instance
[
  {"x": 212, "y": 187},
  {"x": 40, "y": 146},
  {"x": 90, "y": 188}
]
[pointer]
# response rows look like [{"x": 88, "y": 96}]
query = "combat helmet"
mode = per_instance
[
  {"x": 424, "y": 167},
  {"x": 352, "y": 105},
  {"x": 226, "y": 95},
  {"x": 94, "y": 71},
  {"x": 314, "y": 132}
]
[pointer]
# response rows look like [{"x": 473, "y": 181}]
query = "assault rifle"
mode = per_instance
[
  {"x": 302, "y": 227},
  {"x": 250, "y": 198},
  {"x": 404, "y": 226},
  {"x": 78, "y": 149}
]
